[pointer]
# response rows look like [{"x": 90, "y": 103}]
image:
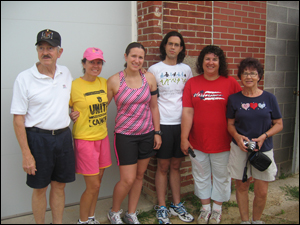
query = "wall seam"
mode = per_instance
[{"x": 212, "y": 24}]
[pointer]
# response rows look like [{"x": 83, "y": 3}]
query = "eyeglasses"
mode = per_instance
[{"x": 252, "y": 74}]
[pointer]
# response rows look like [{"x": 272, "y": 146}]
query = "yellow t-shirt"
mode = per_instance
[{"x": 90, "y": 99}]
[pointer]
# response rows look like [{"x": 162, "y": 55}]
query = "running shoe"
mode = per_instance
[
  {"x": 258, "y": 222},
  {"x": 90, "y": 221},
  {"x": 131, "y": 218},
  {"x": 180, "y": 211},
  {"x": 204, "y": 216},
  {"x": 215, "y": 217},
  {"x": 162, "y": 214},
  {"x": 93, "y": 221},
  {"x": 115, "y": 217}
]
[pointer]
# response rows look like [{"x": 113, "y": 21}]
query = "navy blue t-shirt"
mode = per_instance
[{"x": 253, "y": 116}]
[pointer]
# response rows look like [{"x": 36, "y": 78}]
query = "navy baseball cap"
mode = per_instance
[{"x": 50, "y": 36}]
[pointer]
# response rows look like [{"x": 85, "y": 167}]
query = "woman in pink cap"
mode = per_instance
[{"x": 91, "y": 144}]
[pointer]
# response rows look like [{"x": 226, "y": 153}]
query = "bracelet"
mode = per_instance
[{"x": 266, "y": 135}]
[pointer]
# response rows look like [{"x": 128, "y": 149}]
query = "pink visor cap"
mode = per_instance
[{"x": 93, "y": 53}]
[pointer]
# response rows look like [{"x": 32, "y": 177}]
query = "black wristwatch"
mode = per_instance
[{"x": 158, "y": 132}]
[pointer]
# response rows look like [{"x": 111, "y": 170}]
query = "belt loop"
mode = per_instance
[{"x": 53, "y": 133}]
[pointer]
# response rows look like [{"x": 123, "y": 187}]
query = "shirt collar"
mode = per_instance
[{"x": 37, "y": 74}]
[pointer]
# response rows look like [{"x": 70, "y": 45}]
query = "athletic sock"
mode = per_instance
[
  {"x": 217, "y": 207},
  {"x": 91, "y": 217},
  {"x": 207, "y": 207}
]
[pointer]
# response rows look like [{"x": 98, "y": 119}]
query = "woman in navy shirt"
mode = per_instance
[{"x": 252, "y": 114}]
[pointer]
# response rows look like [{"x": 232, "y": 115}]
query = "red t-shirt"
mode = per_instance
[{"x": 209, "y": 99}]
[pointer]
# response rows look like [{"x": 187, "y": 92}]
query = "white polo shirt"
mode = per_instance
[{"x": 44, "y": 101}]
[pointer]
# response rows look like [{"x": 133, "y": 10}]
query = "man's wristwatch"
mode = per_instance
[{"x": 158, "y": 132}]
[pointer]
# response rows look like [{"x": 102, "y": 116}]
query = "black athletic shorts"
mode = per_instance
[
  {"x": 171, "y": 139},
  {"x": 54, "y": 157},
  {"x": 130, "y": 148}
]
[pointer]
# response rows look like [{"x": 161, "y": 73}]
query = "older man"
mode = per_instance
[{"x": 40, "y": 106}]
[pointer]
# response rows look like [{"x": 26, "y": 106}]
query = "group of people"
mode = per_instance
[{"x": 163, "y": 111}]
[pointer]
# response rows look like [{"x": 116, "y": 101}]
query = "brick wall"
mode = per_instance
[{"x": 239, "y": 28}]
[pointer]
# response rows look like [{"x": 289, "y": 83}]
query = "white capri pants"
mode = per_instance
[{"x": 213, "y": 165}]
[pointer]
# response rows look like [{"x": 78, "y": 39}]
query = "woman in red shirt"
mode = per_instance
[{"x": 204, "y": 129}]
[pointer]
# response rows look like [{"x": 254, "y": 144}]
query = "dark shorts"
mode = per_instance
[
  {"x": 54, "y": 157},
  {"x": 130, "y": 148},
  {"x": 170, "y": 146}
]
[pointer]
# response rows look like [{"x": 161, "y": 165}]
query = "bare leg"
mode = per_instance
[
  {"x": 89, "y": 197},
  {"x": 135, "y": 191},
  {"x": 94, "y": 202},
  {"x": 205, "y": 201},
  {"x": 122, "y": 188},
  {"x": 161, "y": 180},
  {"x": 260, "y": 198},
  {"x": 243, "y": 198},
  {"x": 39, "y": 205},
  {"x": 175, "y": 179},
  {"x": 57, "y": 201},
  {"x": 218, "y": 203}
]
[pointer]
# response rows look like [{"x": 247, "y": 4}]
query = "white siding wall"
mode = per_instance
[{"x": 106, "y": 25}]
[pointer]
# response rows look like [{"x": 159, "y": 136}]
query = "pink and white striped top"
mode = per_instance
[{"x": 134, "y": 116}]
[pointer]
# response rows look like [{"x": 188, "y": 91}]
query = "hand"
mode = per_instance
[
  {"x": 74, "y": 115},
  {"x": 185, "y": 144},
  {"x": 29, "y": 164},
  {"x": 157, "y": 141},
  {"x": 260, "y": 140},
  {"x": 240, "y": 142}
]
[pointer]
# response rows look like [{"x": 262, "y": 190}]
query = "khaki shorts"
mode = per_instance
[{"x": 237, "y": 162}]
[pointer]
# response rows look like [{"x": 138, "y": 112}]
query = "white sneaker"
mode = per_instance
[
  {"x": 215, "y": 217},
  {"x": 204, "y": 216},
  {"x": 115, "y": 217},
  {"x": 162, "y": 214},
  {"x": 93, "y": 221},
  {"x": 258, "y": 222},
  {"x": 131, "y": 218},
  {"x": 180, "y": 211},
  {"x": 90, "y": 221}
]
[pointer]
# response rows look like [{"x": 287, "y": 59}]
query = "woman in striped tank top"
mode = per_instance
[{"x": 137, "y": 119}]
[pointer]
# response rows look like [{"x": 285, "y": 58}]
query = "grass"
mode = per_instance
[
  {"x": 251, "y": 187},
  {"x": 230, "y": 204},
  {"x": 193, "y": 205},
  {"x": 292, "y": 191},
  {"x": 276, "y": 220},
  {"x": 281, "y": 213},
  {"x": 194, "y": 201},
  {"x": 284, "y": 176},
  {"x": 144, "y": 217}
]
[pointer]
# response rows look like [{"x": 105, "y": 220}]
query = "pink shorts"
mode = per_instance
[{"x": 90, "y": 156}]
